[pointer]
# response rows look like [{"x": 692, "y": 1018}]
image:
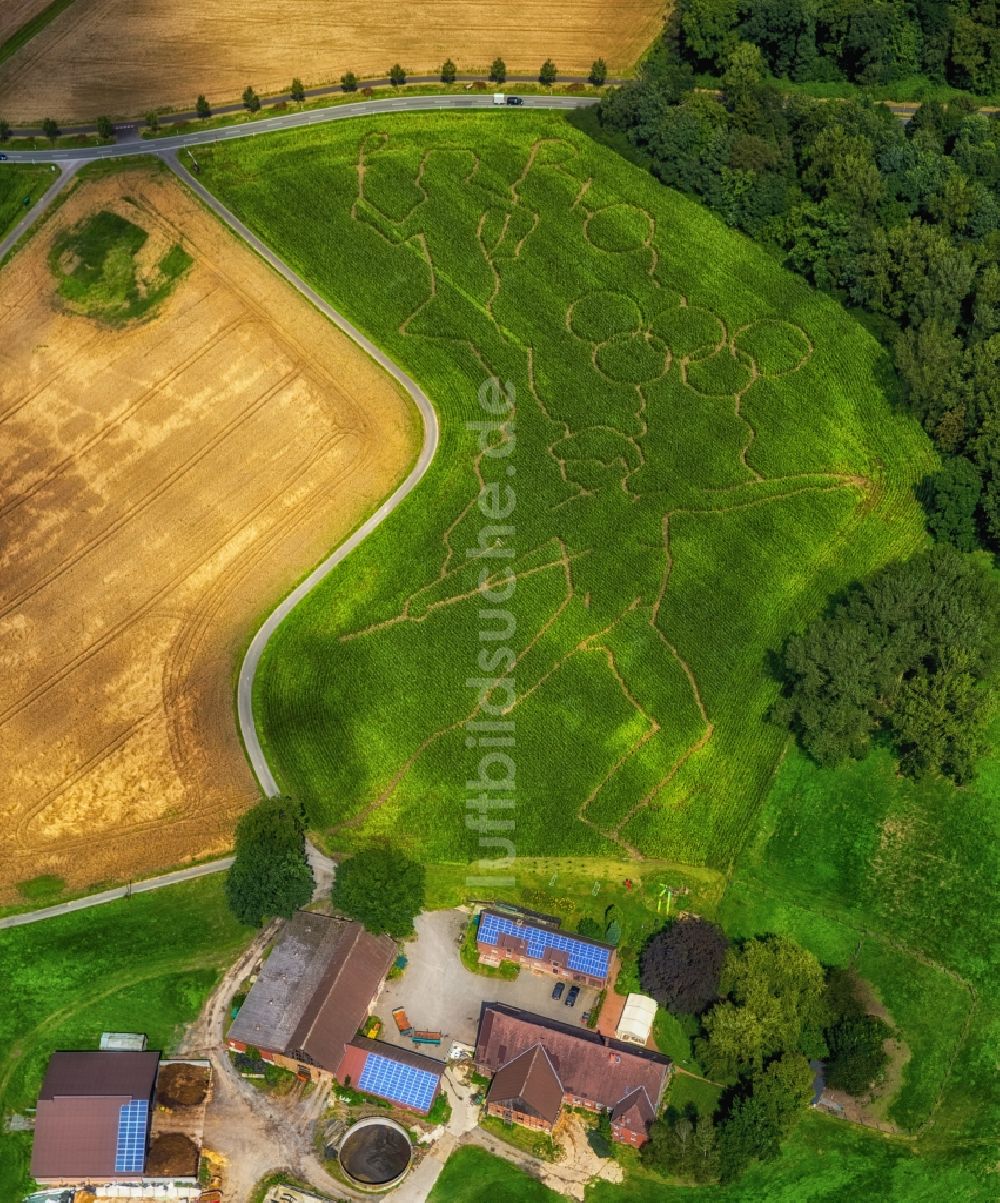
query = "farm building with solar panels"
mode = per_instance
[
  {"x": 313, "y": 993},
  {"x": 537, "y": 1066},
  {"x": 409, "y": 1080},
  {"x": 92, "y": 1120},
  {"x": 311, "y": 997},
  {"x": 534, "y": 944}
]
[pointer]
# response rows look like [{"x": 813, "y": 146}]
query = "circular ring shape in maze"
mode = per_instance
[
  {"x": 619, "y": 229},
  {"x": 633, "y": 358},
  {"x": 598, "y": 316},
  {"x": 778, "y": 348}
]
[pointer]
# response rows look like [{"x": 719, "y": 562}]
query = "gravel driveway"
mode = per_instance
[{"x": 438, "y": 992}]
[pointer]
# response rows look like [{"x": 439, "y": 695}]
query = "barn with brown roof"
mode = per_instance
[
  {"x": 313, "y": 993},
  {"x": 92, "y": 1120},
  {"x": 537, "y": 1065}
]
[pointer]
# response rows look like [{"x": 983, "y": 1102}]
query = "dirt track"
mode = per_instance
[
  {"x": 124, "y": 57},
  {"x": 164, "y": 484}
]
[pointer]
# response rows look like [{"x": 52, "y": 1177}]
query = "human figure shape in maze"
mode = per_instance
[{"x": 541, "y": 281}]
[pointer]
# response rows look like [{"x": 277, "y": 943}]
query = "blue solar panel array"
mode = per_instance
[
  {"x": 402, "y": 1083},
  {"x": 582, "y": 958},
  {"x": 130, "y": 1153}
]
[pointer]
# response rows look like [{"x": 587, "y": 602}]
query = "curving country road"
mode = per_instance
[
  {"x": 267, "y": 125},
  {"x": 168, "y": 150}
]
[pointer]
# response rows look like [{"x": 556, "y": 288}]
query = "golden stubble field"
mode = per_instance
[
  {"x": 124, "y": 57},
  {"x": 163, "y": 485}
]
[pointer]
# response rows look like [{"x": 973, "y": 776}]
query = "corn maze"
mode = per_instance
[{"x": 703, "y": 452}]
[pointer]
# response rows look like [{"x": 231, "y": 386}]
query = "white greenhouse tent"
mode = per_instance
[{"x": 637, "y": 1019}]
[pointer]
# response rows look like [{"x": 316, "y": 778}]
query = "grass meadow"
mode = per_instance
[
  {"x": 20, "y": 182},
  {"x": 145, "y": 964},
  {"x": 472, "y": 1174},
  {"x": 902, "y": 879},
  {"x": 704, "y": 450}
]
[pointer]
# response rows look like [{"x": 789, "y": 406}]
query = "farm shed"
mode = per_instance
[
  {"x": 410, "y": 1080},
  {"x": 313, "y": 993},
  {"x": 93, "y": 1117}
]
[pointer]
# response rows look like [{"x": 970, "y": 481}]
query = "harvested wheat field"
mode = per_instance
[
  {"x": 166, "y": 480},
  {"x": 124, "y": 57}
]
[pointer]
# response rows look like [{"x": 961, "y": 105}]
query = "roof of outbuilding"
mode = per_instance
[
  {"x": 315, "y": 988},
  {"x": 637, "y": 1018},
  {"x": 80, "y": 1108},
  {"x": 97, "y": 1074}
]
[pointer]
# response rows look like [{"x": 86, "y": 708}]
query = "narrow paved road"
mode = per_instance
[
  {"x": 61, "y": 177},
  {"x": 248, "y": 670},
  {"x": 136, "y": 887},
  {"x": 267, "y": 125}
]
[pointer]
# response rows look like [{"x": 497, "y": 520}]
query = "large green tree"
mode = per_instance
[
  {"x": 270, "y": 875},
  {"x": 681, "y": 965},
  {"x": 382, "y": 888},
  {"x": 906, "y": 653},
  {"x": 773, "y": 1002},
  {"x": 764, "y": 1114}
]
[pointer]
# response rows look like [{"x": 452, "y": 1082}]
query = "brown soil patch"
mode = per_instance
[
  {"x": 163, "y": 486},
  {"x": 182, "y": 1085},
  {"x": 15, "y": 13},
  {"x": 122, "y": 58},
  {"x": 172, "y": 1156}
]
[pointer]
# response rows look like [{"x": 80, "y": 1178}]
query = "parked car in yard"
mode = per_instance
[
  {"x": 557, "y": 989},
  {"x": 573, "y": 995}
]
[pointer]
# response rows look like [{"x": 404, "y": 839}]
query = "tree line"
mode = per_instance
[{"x": 947, "y": 41}]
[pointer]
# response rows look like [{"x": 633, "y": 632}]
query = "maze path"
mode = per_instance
[{"x": 695, "y": 366}]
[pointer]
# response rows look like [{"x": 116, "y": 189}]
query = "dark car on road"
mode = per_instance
[
  {"x": 514, "y": 100},
  {"x": 571, "y": 998},
  {"x": 557, "y": 989}
]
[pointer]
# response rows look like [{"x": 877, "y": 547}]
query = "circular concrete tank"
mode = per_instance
[{"x": 375, "y": 1153}]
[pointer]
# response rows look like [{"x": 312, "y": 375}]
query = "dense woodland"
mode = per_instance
[
  {"x": 948, "y": 41},
  {"x": 901, "y": 222}
]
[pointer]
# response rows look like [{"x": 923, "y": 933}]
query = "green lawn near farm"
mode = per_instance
[
  {"x": 703, "y": 451},
  {"x": 20, "y": 182},
  {"x": 145, "y": 964},
  {"x": 471, "y": 1175},
  {"x": 901, "y": 879}
]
